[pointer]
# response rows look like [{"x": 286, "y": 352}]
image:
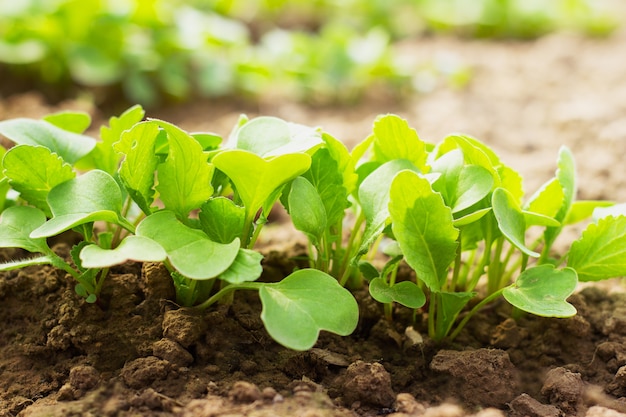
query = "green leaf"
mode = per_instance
[
  {"x": 585, "y": 209},
  {"x": 140, "y": 163},
  {"x": 72, "y": 121},
  {"x": 132, "y": 248},
  {"x": 406, "y": 293},
  {"x": 221, "y": 219},
  {"x": 374, "y": 198},
  {"x": 104, "y": 156},
  {"x": 474, "y": 153},
  {"x": 394, "y": 139},
  {"x": 16, "y": 225},
  {"x": 511, "y": 220},
  {"x": 185, "y": 176},
  {"x": 543, "y": 291},
  {"x": 94, "y": 196},
  {"x": 189, "y": 250},
  {"x": 270, "y": 136},
  {"x": 600, "y": 253},
  {"x": 328, "y": 180},
  {"x": 33, "y": 171},
  {"x": 297, "y": 308},
  {"x": 246, "y": 267},
  {"x": 68, "y": 145},
  {"x": 306, "y": 209},
  {"x": 536, "y": 219},
  {"x": 548, "y": 200},
  {"x": 345, "y": 164},
  {"x": 471, "y": 217},
  {"x": 422, "y": 225},
  {"x": 449, "y": 305},
  {"x": 256, "y": 178},
  {"x": 566, "y": 175},
  {"x": 473, "y": 184}
]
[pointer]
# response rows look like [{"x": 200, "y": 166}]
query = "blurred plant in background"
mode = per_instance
[{"x": 319, "y": 51}]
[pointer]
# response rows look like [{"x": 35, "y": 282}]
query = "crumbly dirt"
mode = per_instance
[{"x": 136, "y": 354}]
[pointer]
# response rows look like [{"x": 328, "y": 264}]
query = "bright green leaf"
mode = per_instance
[
  {"x": 33, "y": 171},
  {"x": 474, "y": 183},
  {"x": 185, "y": 176},
  {"x": 132, "y": 248},
  {"x": 91, "y": 197},
  {"x": 511, "y": 220},
  {"x": 68, "y": 145},
  {"x": 72, "y": 121},
  {"x": 297, "y": 308},
  {"x": 255, "y": 178},
  {"x": 547, "y": 200},
  {"x": 270, "y": 136},
  {"x": 406, "y": 293},
  {"x": 600, "y": 253},
  {"x": 566, "y": 175},
  {"x": 189, "y": 250},
  {"x": 471, "y": 217},
  {"x": 345, "y": 164},
  {"x": 16, "y": 225},
  {"x": 584, "y": 209},
  {"x": 246, "y": 267},
  {"x": 140, "y": 163},
  {"x": 423, "y": 226},
  {"x": 395, "y": 139},
  {"x": 221, "y": 219},
  {"x": 374, "y": 198},
  {"x": 543, "y": 291},
  {"x": 306, "y": 209},
  {"x": 449, "y": 305}
]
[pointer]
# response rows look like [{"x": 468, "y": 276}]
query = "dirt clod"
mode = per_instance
[
  {"x": 183, "y": 326},
  {"x": 244, "y": 392},
  {"x": 527, "y": 406},
  {"x": 143, "y": 371},
  {"x": 172, "y": 352},
  {"x": 481, "y": 376},
  {"x": 564, "y": 389},
  {"x": 368, "y": 383}
]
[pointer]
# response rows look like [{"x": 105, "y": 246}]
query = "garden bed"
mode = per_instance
[{"x": 137, "y": 354}]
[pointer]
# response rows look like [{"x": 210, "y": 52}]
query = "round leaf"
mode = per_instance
[
  {"x": 132, "y": 248},
  {"x": 406, "y": 293},
  {"x": 543, "y": 291}
]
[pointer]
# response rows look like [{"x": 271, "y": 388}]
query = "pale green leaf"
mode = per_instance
[
  {"x": 308, "y": 301},
  {"x": 33, "y": 171},
  {"x": 72, "y": 121},
  {"x": 511, "y": 220},
  {"x": 132, "y": 248},
  {"x": 184, "y": 179},
  {"x": 91, "y": 197},
  {"x": 16, "y": 225},
  {"x": 543, "y": 291},
  {"x": 423, "y": 226},
  {"x": 306, "y": 209},
  {"x": 406, "y": 293},
  {"x": 246, "y": 267},
  {"x": 395, "y": 139},
  {"x": 221, "y": 219},
  {"x": 600, "y": 253},
  {"x": 270, "y": 136},
  {"x": 68, "y": 145},
  {"x": 189, "y": 250}
]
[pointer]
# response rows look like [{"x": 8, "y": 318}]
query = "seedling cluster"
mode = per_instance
[{"x": 147, "y": 191}]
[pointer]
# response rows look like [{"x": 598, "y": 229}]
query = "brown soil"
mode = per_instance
[{"x": 139, "y": 355}]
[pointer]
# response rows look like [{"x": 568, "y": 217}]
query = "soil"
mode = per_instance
[{"x": 137, "y": 354}]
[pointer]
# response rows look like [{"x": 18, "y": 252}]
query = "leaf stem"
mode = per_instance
[
  {"x": 473, "y": 311},
  {"x": 228, "y": 289}
]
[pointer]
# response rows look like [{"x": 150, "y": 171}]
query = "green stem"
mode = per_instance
[
  {"x": 228, "y": 290},
  {"x": 473, "y": 311},
  {"x": 495, "y": 268},
  {"x": 457, "y": 268},
  {"x": 100, "y": 281},
  {"x": 431, "y": 316},
  {"x": 58, "y": 262}
]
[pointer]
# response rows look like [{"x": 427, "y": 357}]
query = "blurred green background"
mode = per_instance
[{"x": 318, "y": 51}]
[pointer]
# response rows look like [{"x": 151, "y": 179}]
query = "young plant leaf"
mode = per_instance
[
  {"x": 328, "y": 180},
  {"x": 33, "y": 171},
  {"x": 297, "y": 308},
  {"x": 256, "y": 178},
  {"x": 471, "y": 217},
  {"x": 547, "y": 200},
  {"x": 423, "y": 226},
  {"x": 185, "y": 176},
  {"x": 23, "y": 263},
  {"x": 140, "y": 163},
  {"x": 449, "y": 305},
  {"x": 585, "y": 209},
  {"x": 600, "y": 253},
  {"x": 406, "y": 293},
  {"x": 566, "y": 175},
  {"x": 345, "y": 164},
  {"x": 72, "y": 121},
  {"x": 511, "y": 220},
  {"x": 68, "y": 145},
  {"x": 543, "y": 290},
  {"x": 91, "y": 197},
  {"x": 306, "y": 209},
  {"x": 395, "y": 139},
  {"x": 270, "y": 136},
  {"x": 221, "y": 219},
  {"x": 374, "y": 198},
  {"x": 246, "y": 267},
  {"x": 104, "y": 155},
  {"x": 132, "y": 248},
  {"x": 16, "y": 225},
  {"x": 189, "y": 250}
]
